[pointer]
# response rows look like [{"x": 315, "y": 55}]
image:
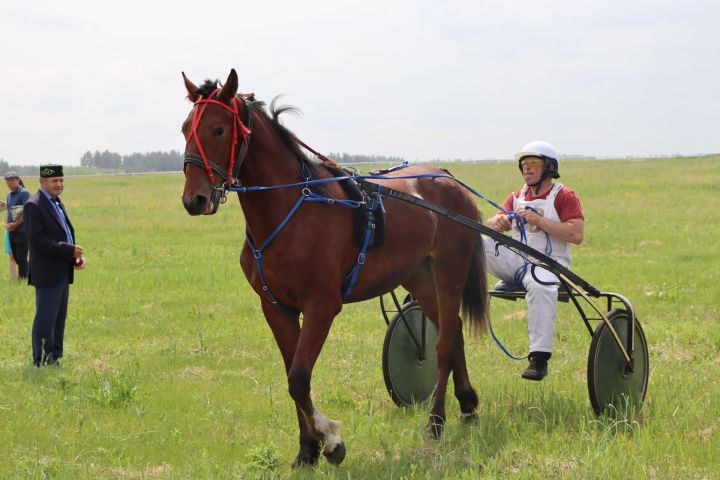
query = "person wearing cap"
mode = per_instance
[
  {"x": 552, "y": 221},
  {"x": 15, "y": 224},
  {"x": 8, "y": 250},
  {"x": 54, "y": 255}
]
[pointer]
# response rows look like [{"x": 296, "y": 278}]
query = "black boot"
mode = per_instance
[{"x": 537, "y": 370}]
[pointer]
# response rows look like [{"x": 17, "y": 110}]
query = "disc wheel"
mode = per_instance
[
  {"x": 611, "y": 385},
  {"x": 410, "y": 372}
]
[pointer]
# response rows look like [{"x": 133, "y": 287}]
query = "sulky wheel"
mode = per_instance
[
  {"x": 409, "y": 364},
  {"x": 610, "y": 384}
]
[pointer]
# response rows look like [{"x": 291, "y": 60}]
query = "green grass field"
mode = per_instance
[{"x": 171, "y": 372}]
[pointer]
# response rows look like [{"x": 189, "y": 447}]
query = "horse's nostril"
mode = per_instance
[
  {"x": 199, "y": 201},
  {"x": 196, "y": 205}
]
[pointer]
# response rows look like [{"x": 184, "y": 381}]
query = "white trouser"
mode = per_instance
[{"x": 541, "y": 299}]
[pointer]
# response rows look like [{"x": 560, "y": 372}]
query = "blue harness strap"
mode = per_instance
[
  {"x": 371, "y": 202},
  {"x": 260, "y": 258}
]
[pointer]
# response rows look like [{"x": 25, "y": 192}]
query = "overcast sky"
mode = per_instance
[{"x": 418, "y": 79}]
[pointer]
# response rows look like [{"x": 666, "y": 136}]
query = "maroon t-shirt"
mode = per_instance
[{"x": 566, "y": 203}]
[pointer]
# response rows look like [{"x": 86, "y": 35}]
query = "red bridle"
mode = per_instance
[{"x": 232, "y": 173}]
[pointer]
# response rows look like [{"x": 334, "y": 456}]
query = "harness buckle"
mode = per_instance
[
  {"x": 257, "y": 254},
  {"x": 223, "y": 192},
  {"x": 306, "y": 192},
  {"x": 361, "y": 259}
]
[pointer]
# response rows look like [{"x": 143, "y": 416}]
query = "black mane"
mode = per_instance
[
  {"x": 207, "y": 88},
  {"x": 291, "y": 141},
  {"x": 286, "y": 136},
  {"x": 316, "y": 166}
]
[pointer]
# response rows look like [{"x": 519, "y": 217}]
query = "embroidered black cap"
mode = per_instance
[{"x": 49, "y": 171}]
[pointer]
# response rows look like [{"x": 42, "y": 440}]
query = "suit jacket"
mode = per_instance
[{"x": 51, "y": 257}]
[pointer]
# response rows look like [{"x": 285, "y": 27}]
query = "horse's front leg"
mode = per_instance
[
  {"x": 315, "y": 328},
  {"x": 286, "y": 330}
]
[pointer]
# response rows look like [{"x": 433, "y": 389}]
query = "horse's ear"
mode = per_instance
[
  {"x": 193, "y": 94},
  {"x": 229, "y": 90}
]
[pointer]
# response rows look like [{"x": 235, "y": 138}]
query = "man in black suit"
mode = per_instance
[{"x": 53, "y": 258}]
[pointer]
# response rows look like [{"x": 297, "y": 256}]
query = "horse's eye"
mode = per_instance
[{"x": 218, "y": 131}]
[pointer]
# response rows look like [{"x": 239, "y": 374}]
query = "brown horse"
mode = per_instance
[{"x": 439, "y": 261}]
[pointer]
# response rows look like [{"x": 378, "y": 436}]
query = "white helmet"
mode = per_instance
[
  {"x": 538, "y": 148},
  {"x": 544, "y": 150}
]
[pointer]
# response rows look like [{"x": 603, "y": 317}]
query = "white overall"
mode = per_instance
[{"x": 541, "y": 299}]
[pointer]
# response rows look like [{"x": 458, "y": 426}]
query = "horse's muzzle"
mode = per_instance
[{"x": 201, "y": 204}]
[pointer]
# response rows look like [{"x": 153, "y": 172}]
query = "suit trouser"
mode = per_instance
[
  {"x": 48, "y": 329},
  {"x": 19, "y": 247},
  {"x": 541, "y": 299}
]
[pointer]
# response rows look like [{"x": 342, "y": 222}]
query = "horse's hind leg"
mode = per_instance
[
  {"x": 423, "y": 289},
  {"x": 450, "y": 268},
  {"x": 464, "y": 392},
  {"x": 450, "y": 347},
  {"x": 448, "y": 326}
]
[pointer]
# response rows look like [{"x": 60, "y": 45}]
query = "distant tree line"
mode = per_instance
[
  {"x": 171, "y": 161},
  {"x": 349, "y": 158},
  {"x": 111, "y": 162},
  {"x": 22, "y": 170}
]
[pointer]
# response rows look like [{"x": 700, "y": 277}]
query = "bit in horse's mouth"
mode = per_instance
[{"x": 213, "y": 203}]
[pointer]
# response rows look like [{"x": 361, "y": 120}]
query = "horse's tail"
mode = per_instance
[{"x": 475, "y": 300}]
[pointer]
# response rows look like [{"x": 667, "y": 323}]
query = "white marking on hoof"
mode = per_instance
[
  {"x": 329, "y": 429},
  {"x": 469, "y": 417}
]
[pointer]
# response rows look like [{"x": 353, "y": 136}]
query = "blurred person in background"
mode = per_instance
[
  {"x": 8, "y": 250},
  {"x": 14, "y": 222}
]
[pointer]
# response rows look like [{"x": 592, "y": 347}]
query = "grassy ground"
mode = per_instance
[{"x": 171, "y": 372}]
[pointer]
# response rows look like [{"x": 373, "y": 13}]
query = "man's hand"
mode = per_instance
[
  {"x": 78, "y": 252},
  {"x": 499, "y": 222},
  {"x": 531, "y": 217},
  {"x": 11, "y": 226},
  {"x": 80, "y": 263}
]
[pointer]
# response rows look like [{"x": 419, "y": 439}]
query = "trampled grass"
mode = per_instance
[{"x": 171, "y": 372}]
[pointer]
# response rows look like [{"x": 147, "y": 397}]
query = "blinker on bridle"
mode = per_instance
[{"x": 232, "y": 176}]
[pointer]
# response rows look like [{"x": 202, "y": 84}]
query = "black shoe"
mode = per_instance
[
  {"x": 50, "y": 360},
  {"x": 537, "y": 370}
]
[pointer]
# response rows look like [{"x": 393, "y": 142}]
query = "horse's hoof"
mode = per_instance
[
  {"x": 336, "y": 456},
  {"x": 434, "y": 428},
  {"x": 468, "y": 418},
  {"x": 303, "y": 459}
]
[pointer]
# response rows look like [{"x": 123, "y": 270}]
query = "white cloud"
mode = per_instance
[{"x": 419, "y": 79}]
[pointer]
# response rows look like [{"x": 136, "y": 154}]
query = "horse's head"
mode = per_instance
[{"x": 214, "y": 134}]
